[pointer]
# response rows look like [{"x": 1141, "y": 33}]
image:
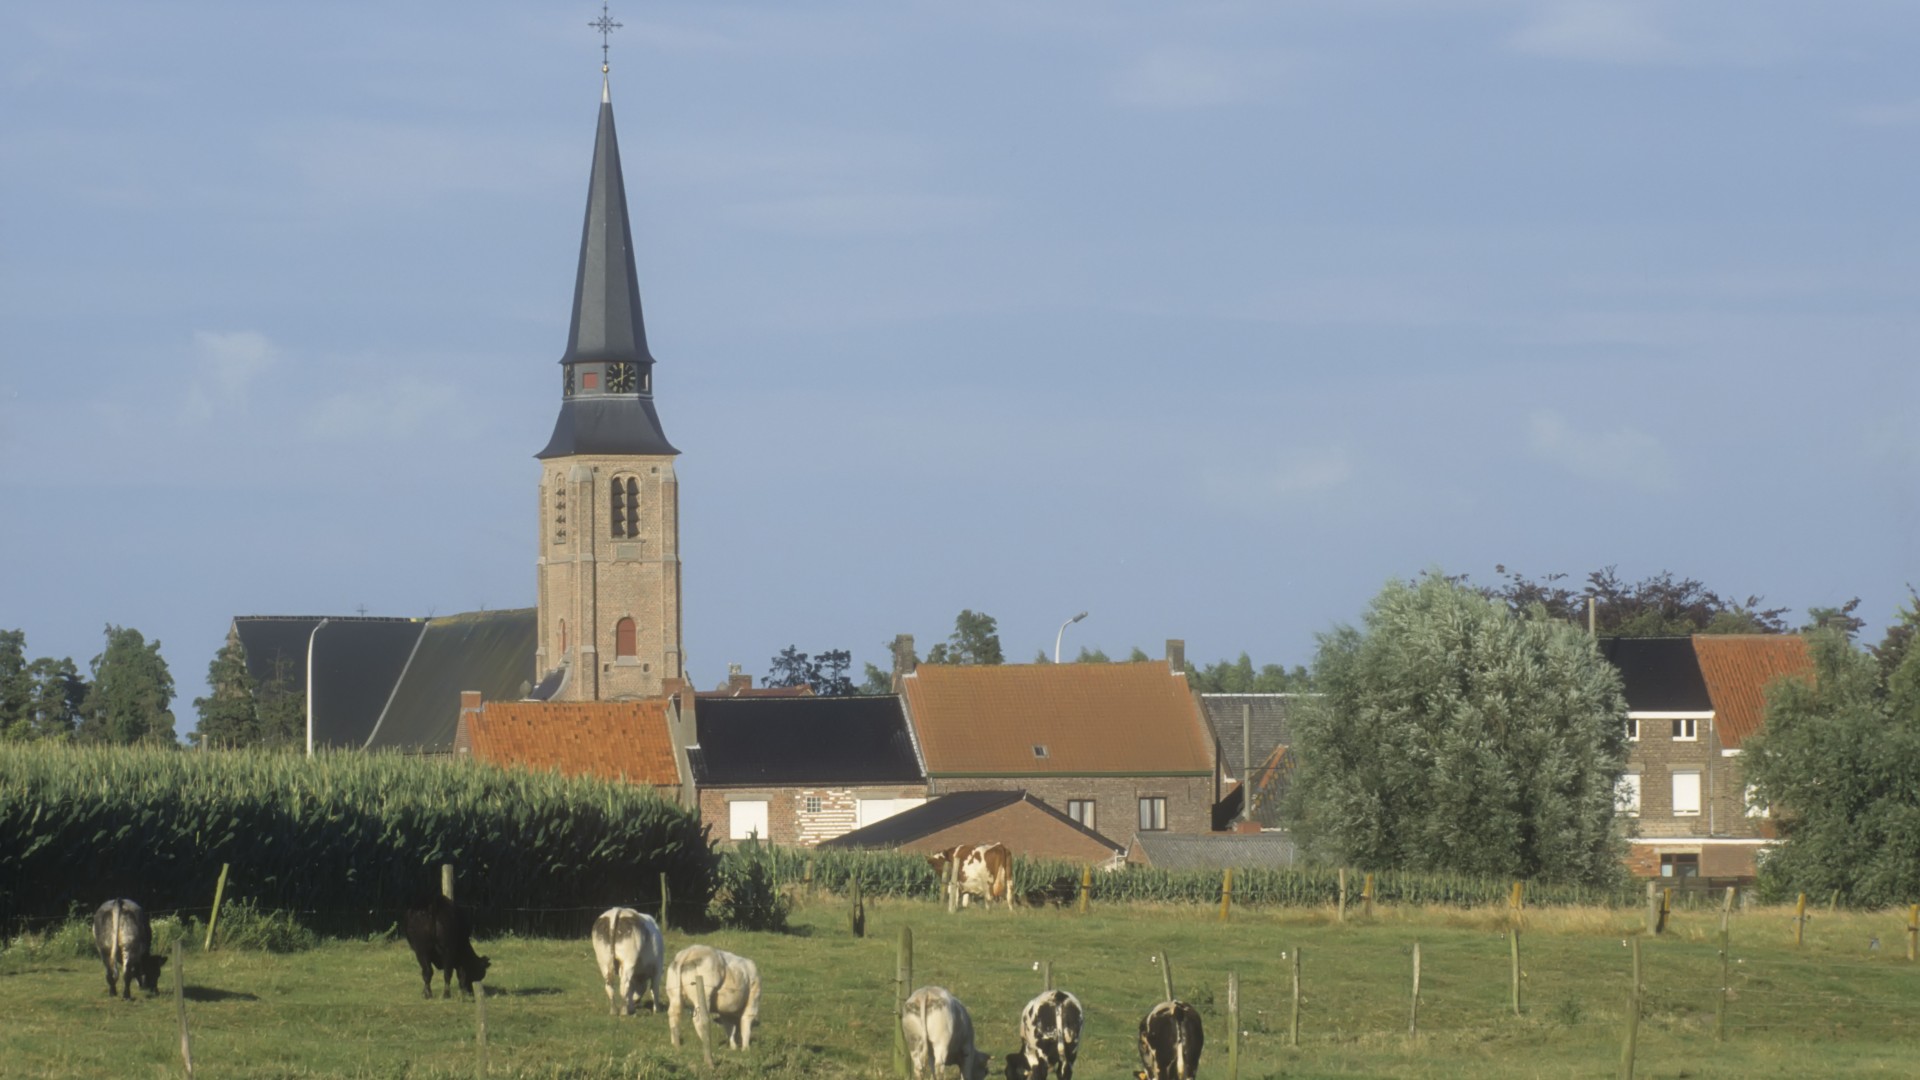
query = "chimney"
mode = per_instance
[
  {"x": 737, "y": 680},
  {"x": 904, "y": 659},
  {"x": 470, "y": 707},
  {"x": 1177, "y": 655}
]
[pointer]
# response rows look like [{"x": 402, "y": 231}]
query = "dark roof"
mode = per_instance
[
  {"x": 944, "y": 812},
  {"x": 1658, "y": 674},
  {"x": 1228, "y": 714},
  {"x": 1238, "y": 851},
  {"x": 607, "y": 324},
  {"x": 802, "y": 740},
  {"x": 277, "y": 644},
  {"x": 488, "y": 651},
  {"x": 355, "y": 666}
]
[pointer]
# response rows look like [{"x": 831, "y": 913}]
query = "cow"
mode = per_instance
[
  {"x": 986, "y": 871},
  {"x": 939, "y": 1033},
  {"x": 732, "y": 986},
  {"x": 441, "y": 937},
  {"x": 125, "y": 940},
  {"x": 631, "y": 953},
  {"x": 1170, "y": 1041},
  {"x": 1049, "y": 1038}
]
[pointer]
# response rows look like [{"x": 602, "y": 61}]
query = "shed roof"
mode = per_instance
[
  {"x": 944, "y": 812},
  {"x": 802, "y": 740},
  {"x": 1737, "y": 669},
  {"x": 613, "y": 740}
]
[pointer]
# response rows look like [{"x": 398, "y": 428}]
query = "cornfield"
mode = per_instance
[{"x": 340, "y": 840}]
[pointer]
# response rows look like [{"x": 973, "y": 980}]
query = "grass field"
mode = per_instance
[{"x": 1836, "y": 1007}]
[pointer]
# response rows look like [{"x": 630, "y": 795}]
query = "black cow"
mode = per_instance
[
  {"x": 125, "y": 940},
  {"x": 1049, "y": 1038},
  {"x": 1170, "y": 1041},
  {"x": 442, "y": 938}
]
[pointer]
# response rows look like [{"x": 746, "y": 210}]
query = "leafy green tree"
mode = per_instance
[
  {"x": 230, "y": 715},
  {"x": 58, "y": 694},
  {"x": 975, "y": 640},
  {"x": 1838, "y": 764},
  {"x": 1900, "y": 637},
  {"x": 876, "y": 681},
  {"x": 1455, "y": 735},
  {"x": 1092, "y": 656},
  {"x": 16, "y": 686},
  {"x": 1239, "y": 677},
  {"x": 1657, "y": 606},
  {"x": 130, "y": 694},
  {"x": 281, "y": 705},
  {"x": 825, "y": 674}
]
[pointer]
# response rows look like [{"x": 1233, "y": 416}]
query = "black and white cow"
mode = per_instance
[
  {"x": 631, "y": 952},
  {"x": 125, "y": 940},
  {"x": 939, "y": 1033},
  {"x": 733, "y": 993},
  {"x": 1049, "y": 1038},
  {"x": 442, "y": 938},
  {"x": 1170, "y": 1041}
]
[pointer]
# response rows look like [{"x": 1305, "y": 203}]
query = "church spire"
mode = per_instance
[{"x": 607, "y": 371}]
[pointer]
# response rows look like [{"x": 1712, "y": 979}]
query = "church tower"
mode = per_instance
[{"x": 609, "y": 566}]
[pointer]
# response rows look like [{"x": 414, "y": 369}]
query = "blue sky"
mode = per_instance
[{"x": 1206, "y": 318}]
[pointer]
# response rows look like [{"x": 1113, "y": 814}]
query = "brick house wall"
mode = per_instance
[
  {"x": 799, "y": 816},
  {"x": 1656, "y": 756},
  {"x": 1116, "y": 799}
]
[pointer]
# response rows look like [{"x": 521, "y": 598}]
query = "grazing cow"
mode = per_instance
[
  {"x": 1049, "y": 1038},
  {"x": 631, "y": 953},
  {"x": 1170, "y": 1041},
  {"x": 986, "y": 871},
  {"x": 733, "y": 993},
  {"x": 442, "y": 938},
  {"x": 939, "y": 1033},
  {"x": 125, "y": 940}
]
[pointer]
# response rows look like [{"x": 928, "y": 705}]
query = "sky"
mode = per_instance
[{"x": 1208, "y": 318}]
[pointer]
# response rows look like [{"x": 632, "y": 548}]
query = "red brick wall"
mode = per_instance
[{"x": 788, "y": 820}]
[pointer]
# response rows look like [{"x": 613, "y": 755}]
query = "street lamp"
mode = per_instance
[{"x": 1063, "y": 630}]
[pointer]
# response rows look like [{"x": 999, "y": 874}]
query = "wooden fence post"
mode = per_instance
[
  {"x": 902, "y": 986},
  {"x": 666, "y": 895},
  {"x": 1046, "y": 974},
  {"x": 1086, "y": 888},
  {"x": 180, "y": 997},
  {"x": 1513, "y": 947},
  {"x": 480, "y": 1024},
  {"x": 857, "y": 917},
  {"x": 1666, "y": 909},
  {"x": 1913, "y": 932},
  {"x": 1293, "y": 1024},
  {"x": 1518, "y": 900},
  {"x": 1226, "y": 892},
  {"x": 1413, "y": 1011},
  {"x": 1166, "y": 974},
  {"x": 1653, "y": 907},
  {"x": 1340, "y": 905},
  {"x": 446, "y": 880},
  {"x": 1799, "y": 920},
  {"x": 1833, "y": 903},
  {"x": 808, "y": 877},
  {"x": 1233, "y": 1025},
  {"x": 1633, "y": 1018},
  {"x": 700, "y": 1018},
  {"x": 1726, "y": 969},
  {"x": 1366, "y": 896},
  {"x": 219, "y": 890}
]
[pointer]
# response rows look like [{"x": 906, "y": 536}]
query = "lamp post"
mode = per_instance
[{"x": 1062, "y": 633}]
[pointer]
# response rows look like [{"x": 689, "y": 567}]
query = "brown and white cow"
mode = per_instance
[
  {"x": 631, "y": 952},
  {"x": 1170, "y": 1042},
  {"x": 732, "y": 984},
  {"x": 939, "y": 1033},
  {"x": 1049, "y": 1038},
  {"x": 986, "y": 871},
  {"x": 125, "y": 940}
]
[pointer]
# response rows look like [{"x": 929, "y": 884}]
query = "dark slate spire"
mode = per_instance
[{"x": 607, "y": 371}]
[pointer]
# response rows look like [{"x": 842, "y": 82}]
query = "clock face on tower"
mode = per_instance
[{"x": 621, "y": 378}]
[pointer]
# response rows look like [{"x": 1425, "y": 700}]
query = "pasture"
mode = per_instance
[{"x": 1837, "y": 1006}]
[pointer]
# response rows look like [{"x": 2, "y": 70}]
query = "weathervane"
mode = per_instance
[{"x": 606, "y": 26}]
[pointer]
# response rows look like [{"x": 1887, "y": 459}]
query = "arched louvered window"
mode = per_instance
[
  {"x": 623, "y": 638},
  {"x": 625, "y": 509}
]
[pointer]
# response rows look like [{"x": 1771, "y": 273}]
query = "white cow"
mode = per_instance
[
  {"x": 733, "y": 993},
  {"x": 939, "y": 1033},
  {"x": 630, "y": 950}
]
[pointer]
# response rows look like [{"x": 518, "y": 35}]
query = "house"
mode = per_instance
[
  {"x": 799, "y": 770},
  {"x": 1691, "y": 703},
  {"x": 1026, "y": 825},
  {"x": 630, "y": 741},
  {"x": 1118, "y": 747},
  {"x": 1251, "y": 728}
]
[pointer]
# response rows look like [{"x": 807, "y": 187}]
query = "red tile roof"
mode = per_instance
[
  {"x": 987, "y": 720},
  {"x": 1737, "y": 669},
  {"x": 614, "y": 740}
]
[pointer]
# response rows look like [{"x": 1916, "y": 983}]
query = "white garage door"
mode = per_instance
[
  {"x": 872, "y": 810},
  {"x": 747, "y": 817}
]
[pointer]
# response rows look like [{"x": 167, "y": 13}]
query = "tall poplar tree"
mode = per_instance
[
  {"x": 229, "y": 716},
  {"x": 130, "y": 694}
]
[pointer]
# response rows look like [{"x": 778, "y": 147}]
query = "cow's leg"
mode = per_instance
[
  {"x": 446, "y": 984},
  {"x": 106, "y": 961},
  {"x": 426, "y": 979},
  {"x": 616, "y": 998}
]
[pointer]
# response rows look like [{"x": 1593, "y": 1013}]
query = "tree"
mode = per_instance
[
  {"x": 975, "y": 640},
  {"x": 1838, "y": 764},
  {"x": 876, "y": 681},
  {"x": 16, "y": 686},
  {"x": 1455, "y": 735},
  {"x": 230, "y": 715},
  {"x": 58, "y": 694},
  {"x": 825, "y": 674},
  {"x": 1657, "y": 606},
  {"x": 1239, "y": 677},
  {"x": 281, "y": 705},
  {"x": 130, "y": 694}
]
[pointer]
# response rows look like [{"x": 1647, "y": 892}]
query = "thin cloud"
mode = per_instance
[
  {"x": 1185, "y": 79},
  {"x": 1623, "y": 457},
  {"x": 1604, "y": 31},
  {"x": 227, "y": 364},
  {"x": 408, "y": 407}
]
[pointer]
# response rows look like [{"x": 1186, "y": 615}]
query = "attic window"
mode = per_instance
[{"x": 1039, "y": 751}]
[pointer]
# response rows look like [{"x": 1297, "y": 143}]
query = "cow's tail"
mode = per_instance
[
  {"x": 117, "y": 952},
  {"x": 1179, "y": 1047},
  {"x": 926, "y": 1040}
]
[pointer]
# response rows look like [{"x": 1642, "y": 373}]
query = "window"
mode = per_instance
[
  {"x": 1153, "y": 814},
  {"x": 623, "y": 638},
  {"x": 1633, "y": 729},
  {"x": 1039, "y": 751},
  {"x": 1626, "y": 797},
  {"x": 811, "y": 804},
  {"x": 1081, "y": 810},
  {"x": 589, "y": 380},
  {"x": 624, "y": 515},
  {"x": 747, "y": 817},
  {"x": 1686, "y": 793},
  {"x": 1680, "y": 865},
  {"x": 1686, "y": 729}
]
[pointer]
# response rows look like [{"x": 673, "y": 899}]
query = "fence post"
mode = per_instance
[
  {"x": 665, "y": 895},
  {"x": 1726, "y": 970},
  {"x": 1653, "y": 907},
  {"x": 1833, "y": 903},
  {"x": 1513, "y": 946},
  {"x": 1413, "y": 1011},
  {"x": 857, "y": 917},
  {"x": 953, "y": 884},
  {"x": 446, "y": 880},
  {"x": 1340, "y": 909},
  {"x": 480, "y": 1024},
  {"x": 1666, "y": 909},
  {"x": 700, "y": 1018},
  {"x": 180, "y": 997},
  {"x": 1226, "y": 892},
  {"x": 1046, "y": 974},
  {"x": 1293, "y": 1024},
  {"x": 1913, "y": 932},
  {"x": 1166, "y": 974},
  {"x": 1518, "y": 900},
  {"x": 809, "y": 877},
  {"x": 902, "y": 986},
  {"x": 1233, "y": 1025},
  {"x": 1799, "y": 920},
  {"x": 1633, "y": 1018},
  {"x": 1366, "y": 896},
  {"x": 219, "y": 890},
  {"x": 1086, "y": 888}
]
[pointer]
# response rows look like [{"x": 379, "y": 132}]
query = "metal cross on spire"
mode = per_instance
[{"x": 606, "y": 26}]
